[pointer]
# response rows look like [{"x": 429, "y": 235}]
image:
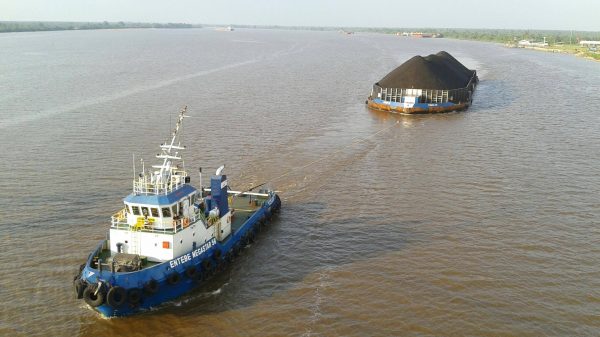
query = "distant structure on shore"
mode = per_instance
[
  {"x": 527, "y": 43},
  {"x": 591, "y": 45},
  {"x": 419, "y": 34}
]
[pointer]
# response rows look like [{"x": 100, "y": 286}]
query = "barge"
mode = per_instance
[
  {"x": 169, "y": 237},
  {"x": 432, "y": 84}
]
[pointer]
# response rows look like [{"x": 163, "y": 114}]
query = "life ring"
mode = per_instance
[
  {"x": 134, "y": 296},
  {"x": 174, "y": 278},
  {"x": 93, "y": 298},
  {"x": 79, "y": 286},
  {"x": 151, "y": 287},
  {"x": 116, "y": 296},
  {"x": 186, "y": 222},
  {"x": 191, "y": 271}
]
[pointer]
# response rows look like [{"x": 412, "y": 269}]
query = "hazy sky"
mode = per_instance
[{"x": 533, "y": 14}]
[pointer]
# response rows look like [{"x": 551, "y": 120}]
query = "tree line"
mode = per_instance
[{"x": 33, "y": 26}]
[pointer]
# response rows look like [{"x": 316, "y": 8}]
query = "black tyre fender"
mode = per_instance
[
  {"x": 199, "y": 276},
  {"x": 191, "y": 271},
  {"x": 79, "y": 286},
  {"x": 151, "y": 287},
  {"x": 92, "y": 298},
  {"x": 207, "y": 266},
  {"x": 237, "y": 249},
  {"x": 134, "y": 296},
  {"x": 173, "y": 278},
  {"x": 217, "y": 254},
  {"x": 116, "y": 296}
]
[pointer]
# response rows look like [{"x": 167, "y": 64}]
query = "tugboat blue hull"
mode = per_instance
[{"x": 124, "y": 293}]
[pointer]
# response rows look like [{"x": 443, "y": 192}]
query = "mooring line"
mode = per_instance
[{"x": 354, "y": 141}]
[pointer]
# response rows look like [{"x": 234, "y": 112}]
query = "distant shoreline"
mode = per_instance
[
  {"x": 560, "y": 41},
  {"x": 575, "y": 50},
  {"x": 45, "y": 26}
]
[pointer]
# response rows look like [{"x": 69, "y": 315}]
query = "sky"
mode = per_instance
[{"x": 502, "y": 14}]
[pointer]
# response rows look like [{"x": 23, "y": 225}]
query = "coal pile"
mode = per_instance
[{"x": 436, "y": 71}]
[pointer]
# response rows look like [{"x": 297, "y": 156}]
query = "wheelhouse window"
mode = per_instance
[
  {"x": 166, "y": 212},
  {"x": 135, "y": 210},
  {"x": 174, "y": 208},
  {"x": 154, "y": 212},
  {"x": 193, "y": 199},
  {"x": 145, "y": 211}
]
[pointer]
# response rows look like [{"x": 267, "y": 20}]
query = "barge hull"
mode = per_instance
[{"x": 418, "y": 108}]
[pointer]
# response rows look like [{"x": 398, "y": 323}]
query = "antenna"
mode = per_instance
[{"x": 200, "y": 173}]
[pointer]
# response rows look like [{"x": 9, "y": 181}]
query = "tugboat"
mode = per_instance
[{"x": 169, "y": 237}]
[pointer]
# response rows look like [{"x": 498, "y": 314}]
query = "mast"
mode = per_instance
[{"x": 169, "y": 176}]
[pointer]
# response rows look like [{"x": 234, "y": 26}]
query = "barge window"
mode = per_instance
[
  {"x": 154, "y": 212},
  {"x": 145, "y": 211},
  {"x": 166, "y": 212},
  {"x": 135, "y": 210}
]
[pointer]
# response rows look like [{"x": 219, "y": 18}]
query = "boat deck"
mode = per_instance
[{"x": 243, "y": 207}]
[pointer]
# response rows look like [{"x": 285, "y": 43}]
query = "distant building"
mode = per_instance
[
  {"x": 589, "y": 43},
  {"x": 527, "y": 43}
]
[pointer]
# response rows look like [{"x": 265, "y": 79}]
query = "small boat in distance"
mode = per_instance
[
  {"x": 225, "y": 29},
  {"x": 169, "y": 237}
]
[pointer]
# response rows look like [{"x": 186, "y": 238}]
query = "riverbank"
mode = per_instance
[
  {"x": 40, "y": 26},
  {"x": 563, "y": 49}
]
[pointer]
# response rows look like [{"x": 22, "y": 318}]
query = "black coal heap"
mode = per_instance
[{"x": 436, "y": 71}]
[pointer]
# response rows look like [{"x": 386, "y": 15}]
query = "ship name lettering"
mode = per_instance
[{"x": 195, "y": 253}]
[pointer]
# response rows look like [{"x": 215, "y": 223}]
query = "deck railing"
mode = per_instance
[
  {"x": 119, "y": 221},
  {"x": 460, "y": 95},
  {"x": 145, "y": 186}
]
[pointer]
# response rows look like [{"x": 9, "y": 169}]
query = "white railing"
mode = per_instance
[
  {"x": 143, "y": 186},
  {"x": 119, "y": 218},
  {"x": 426, "y": 95},
  {"x": 119, "y": 221}
]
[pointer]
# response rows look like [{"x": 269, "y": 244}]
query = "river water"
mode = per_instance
[{"x": 485, "y": 222}]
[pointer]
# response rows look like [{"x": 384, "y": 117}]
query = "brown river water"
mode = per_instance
[{"x": 485, "y": 222}]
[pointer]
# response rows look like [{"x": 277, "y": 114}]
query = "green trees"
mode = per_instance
[{"x": 32, "y": 26}]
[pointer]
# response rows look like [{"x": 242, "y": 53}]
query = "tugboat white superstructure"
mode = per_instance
[{"x": 169, "y": 237}]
